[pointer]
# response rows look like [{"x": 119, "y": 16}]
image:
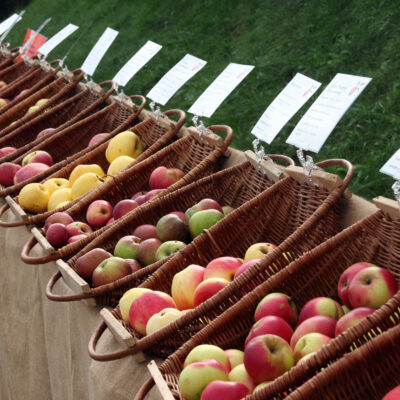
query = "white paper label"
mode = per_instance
[
  {"x": 220, "y": 89},
  {"x": 139, "y": 60},
  {"x": 98, "y": 51},
  {"x": 321, "y": 118},
  {"x": 175, "y": 78},
  {"x": 285, "y": 105},
  {"x": 9, "y": 22},
  {"x": 57, "y": 39},
  {"x": 392, "y": 166}
]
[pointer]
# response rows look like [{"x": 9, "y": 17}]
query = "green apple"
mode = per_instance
[{"x": 203, "y": 220}]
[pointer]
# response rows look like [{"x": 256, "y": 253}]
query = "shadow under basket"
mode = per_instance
[
  {"x": 295, "y": 216},
  {"x": 374, "y": 239},
  {"x": 232, "y": 186}
]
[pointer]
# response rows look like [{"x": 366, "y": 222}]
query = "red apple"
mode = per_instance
[
  {"x": 57, "y": 235},
  {"x": 222, "y": 267},
  {"x": 76, "y": 238},
  {"x": 394, "y": 394},
  {"x": 309, "y": 343},
  {"x": 352, "y": 318},
  {"x": 149, "y": 195},
  {"x": 110, "y": 221},
  {"x": 179, "y": 214},
  {"x": 145, "y": 231},
  {"x": 163, "y": 177},
  {"x": 6, "y": 150},
  {"x": 29, "y": 171},
  {"x": 207, "y": 289},
  {"x": 217, "y": 390},
  {"x": 133, "y": 264},
  {"x": 77, "y": 228},
  {"x": 372, "y": 287},
  {"x": 245, "y": 266},
  {"x": 128, "y": 247},
  {"x": 321, "y": 306},
  {"x": 137, "y": 195},
  {"x": 110, "y": 270},
  {"x": 38, "y": 156},
  {"x": 98, "y": 213},
  {"x": 7, "y": 173},
  {"x": 58, "y": 217},
  {"x": 171, "y": 227},
  {"x": 123, "y": 207},
  {"x": 267, "y": 357},
  {"x": 147, "y": 251},
  {"x": 98, "y": 138},
  {"x": 86, "y": 264}
]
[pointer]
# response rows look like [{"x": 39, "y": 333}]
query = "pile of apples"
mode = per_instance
[{"x": 274, "y": 343}]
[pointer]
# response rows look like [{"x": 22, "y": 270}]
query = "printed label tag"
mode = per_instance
[
  {"x": 392, "y": 166},
  {"x": 54, "y": 41},
  {"x": 32, "y": 48},
  {"x": 9, "y": 22}
]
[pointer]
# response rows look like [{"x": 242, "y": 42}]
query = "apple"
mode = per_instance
[
  {"x": 34, "y": 197},
  {"x": 41, "y": 102},
  {"x": 204, "y": 204},
  {"x": 261, "y": 386},
  {"x": 239, "y": 374},
  {"x": 203, "y": 220},
  {"x": 110, "y": 270},
  {"x": 133, "y": 264},
  {"x": 235, "y": 357},
  {"x": 58, "y": 197},
  {"x": 21, "y": 93},
  {"x": 32, "y": 109},
  {"x": 217, "y": 390},
  {"x": 82, "y": 169},
  {"x": 145, "y": 306},
  {"x": 58, "y": 217},
  {"x": 195, "y": 377},
  {"x": 54, "y": 184},
  {"x": 6, "y": 150},
  {"x": 123, "y": 207},
  {"x": 98, "y": 213},
  {"x": 309, "y": 343},
  {"x": 227, "y": 210},
  {"x": 319, "y": 323},
  {"x": 278, "y": 304},
  {"x": 57, "y": 235},
  {"x": 179, "y": 214},
  {"x": 258, "y": 250},
  {"x": 77, "y": 228},
  {"x": 149, "y": 195},
  {"x": 267, "y": 357},
  {"x": 372, "y": 287},
  {"x": 137, "y": 195},
  {"x": 306, "y": 357},
  {"x": 127, "y": 247},
  {"x": 110, "y": 221},
  {"x": 45, "y": 132},
  {"x": 222, "y": 267},
  {"x": 3, "y": 102},
  {"x": 76, "y": 238},
  {"x": 394, "y": 394},
  {"x": 346, "y": 277},
  {"x": 7, "y": 173},
  {"x": 321, "y": 306},
  {"x": 146, "y": 231},
  {"x": 162, "y": 177},
  {"x": 29, "y": 171},
  {"x": 245, "y": 266},
  {"x": 161, "y": 319},
  {"x": 38, "y": 156},
  {"x": 98, "y": 138},
  {"x": 147, "y": 251},
  {"x": 352, "y": 318},
  {"x": 204, "y": 352},
  {"x": 171, "y": 227},
  {"x": 127, "y": 299},
  {"x": 168, "y": 248},
  {"x": 2, "y": 84},
  {"x": 86, "y": 264},
  {"x": 270, "y": 324},
  {"x": 184, "y": 284},
  {"x": 84, "y": 184},
  {"x": 207, "y": 289}
]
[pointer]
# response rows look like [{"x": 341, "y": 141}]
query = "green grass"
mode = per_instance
[{"x": 316, "y": 38}]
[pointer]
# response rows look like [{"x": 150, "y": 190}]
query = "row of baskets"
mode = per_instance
[{"x": 271, "y": 203}]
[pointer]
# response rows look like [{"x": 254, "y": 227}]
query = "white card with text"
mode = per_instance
[
  {"x": 285, "y": 105},
  {"x": 321, "y": 118},
  {"x": 98, "y": 51},
  {"x": 175, "y": 78},
  {"x": 137, "y": 62},
  {"x": 54, "y": 41},
  {"x": 392, "y": 166},
  {"x": 220, "y": 89},
  {"x": 6, "y": 24}
]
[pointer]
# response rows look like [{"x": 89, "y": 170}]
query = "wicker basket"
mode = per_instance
[
  {"x": 296, "y": 216},
  {"x": 233, "y": 186},
  {"x": 7, "y": 57},
  {"x": 87, "y": 101},
  {"x": 14, "y": 71},
  {"x": 374, "y": 239}
]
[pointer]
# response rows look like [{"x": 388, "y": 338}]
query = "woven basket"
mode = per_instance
[
  {"x": 14, "y": 71},
  {"x": 292, "y": 215},
  {"x": 154, "y": 135},
  {"x": 233, "y": 186},
  {"x": 7, "y": 57},
  {"x": 374, "y": 239},
  {"x": 87, "y": 101}
]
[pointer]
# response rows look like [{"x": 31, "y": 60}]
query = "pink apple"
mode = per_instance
[
  {"x": 38, "y": 156},
  {"x": 206, "y": 351},
  {"x": 222, "y": 267},
  {"x": 137, "y": 195},
  {"x": 352, "y": 318},
  {"x": 110, "y": 221},
  {"x": 149, "y": 195},
  {"x": 133, "y": 264},
  {"x": 147, "y": 251},
  {"x": 267, "y": 357},
  {"x": 394, "y": 394},
  {"x": 98, "y": 213},
  {"x": 7, "y": 173},
  {"x": 372, "y": 287},
  {"x": 235, "y": 357},
  {"x": 217, "y": 390},
  {"x": 123, "y": 207},
  {"x": 184, "y": 284},
  {"x": 57, "y": 235},
  {"x": 76, "y": 238},
  {"x": 278, "y": 304},
  {"x": 6, "y": 150},
  {"x": 58, "y": 217},
  {"x": 45, "y": 132},
  {"x": 98, "y": 138},
  {"x": 77, "y": 228},
  {"x": 127, "y": 247},
  {"x": 163, "y": 177},
  {"x": 346, "y": 277},
  {"x": 145, "y": 231},
  {"x": 110, "y": 270},
  {"x": 86, "y": 264},
  {"x": 207, "y": 289},
  {"x": 319, "y": 323},
  {"x": 309, "y": 343},
  {"x": 245, "y": 266},
  {"x": 171, "y": 227},
  {"x": 29, "y": 171},
  {"x": 145, "y": 306},
  {"x": 321, "y": 306},
  {"x": 270, "y": 325}
]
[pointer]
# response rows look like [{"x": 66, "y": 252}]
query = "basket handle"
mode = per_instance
[
  {"x": 55, "y": 62},
  {"x": 282, "y": 157},
  {"x": 108, "y": 83},
  {"x": 334, "y": 162},
  {"x": 142, "y": 100},
  {"x": 223, "y": 128},
  {"x": 31, "y": 260},
  {"x": 179, "y": 113},
  {"x": 10, "y": 224},
  {"x": 144, "y": 390}
]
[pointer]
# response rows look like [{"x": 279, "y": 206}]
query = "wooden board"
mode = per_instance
[
  {"x": 388, "y": 206},
  {"x": 47, "y": 247},
  {"x": 16, "y": 208},
  {"x": 274, "y": 172},
  {"x": 159, "y": 381}
]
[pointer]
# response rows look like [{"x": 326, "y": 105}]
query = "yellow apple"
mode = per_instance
[
  {"x": 79, "y": 170},
  {"x": 32, "y": 109},
  {"x": 119, "y": 164},
  {"x": 127, "y": 299},
  {"x": 258, "y": 250},
  {"x": 85, "y": 183},
  {"x": 54, "y": 184},
  {"x": 41, "y": 102},
  {"x": 161, "y": 319},
  {"x": 58, "y": 197},
  {"x": 124, "y": 144},
  {"x": 34, "y": 197}
]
